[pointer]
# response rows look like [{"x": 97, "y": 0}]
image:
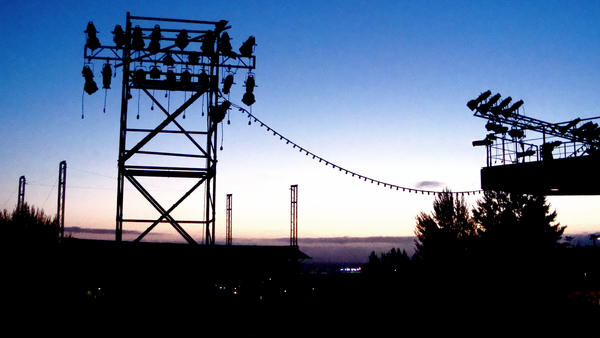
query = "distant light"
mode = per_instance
[
  {"x": 92, "y": 40},
  {"x": 137, "y": 39},
  {"x": 182, "y": 39},
  {"x": 248, "y": 46}
]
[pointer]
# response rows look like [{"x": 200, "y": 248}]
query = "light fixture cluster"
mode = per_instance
[{"x": 171, "y": 59}]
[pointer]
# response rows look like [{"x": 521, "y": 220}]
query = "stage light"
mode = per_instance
[
  {"x": 155, "y": 73},
  {"x": 106, "y": 76},
  {"x": 220, "y": 26},
  {"x": 548, "y": 148},
  {"x": 508, "y": 111},
  {"x": 516, "y": 133},
  {"x": 208, "y": 43},
  {"x": 154, "y": 45},
  {"x": 119, "y": 36},
  {"x": 89, "y": 86},
  {"x": 248, "y": 98},
  {"x": 168, "y": 60},
  {"x": 247, "y": 47},
  {"x": 139, "y": 75},
  {"x": 182, "y": 39},
  {"x": 224, "y": 46},
  {"x": 203, "y": 80},
  {"x": 565, "y": 128},
  {"x": 496, "y": 128},
  {"x": 92, "y": 40},
  {"x": 171, "y": 77},
  {"x": 217, "y": 114},
  {"x": 472, "y": 104},
  {"x": 484, "y": 108},
  {"x": 137, "y": 39},
  {"x": 496, "y": 110},
  {"x": 185, "y": 77},
  {"x": 227, "y": 83},
  {"x": 485, "y": 142},
  {"x": 526, "y": 153}
]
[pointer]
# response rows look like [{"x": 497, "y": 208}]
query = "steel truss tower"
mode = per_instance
[
  {"x": 294, "y": 215},
  {"x": 21, "y": 195},
  {"x": 228, "y": 235},
  {"x": 60, "y": 205},
  {"x": 170, "y": 58}
]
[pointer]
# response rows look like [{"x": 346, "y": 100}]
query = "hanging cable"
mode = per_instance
[{"x": 342, "y": 169}]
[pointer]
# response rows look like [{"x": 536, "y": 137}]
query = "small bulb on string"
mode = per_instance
[{"x": 221, "y": 148}]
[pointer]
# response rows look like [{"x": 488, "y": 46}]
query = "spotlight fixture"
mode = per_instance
[
  {"x": 487, "y": 141},
  {"x": 154, "y": 45},
  {"x": 247, "y": 46},
  {"x": 106, "y": 76},
  {"x": 224, "y": 46},
  {"x": 92, "y": 40},
  {"x": 203, "y": 79},
  {"x": 119, "y": 36},
  {"x": 474, "y": 103},
  {"x": 171, "y": 77},
  {"x": 137, "y": 39},
  {"x": 572, "y": 124},
  {"x": 496, "y": 128},
  {"x": 89, "y": 86},
  {"x": 496, "y": 110},
  {"x": 547, "y": 149},
  {"x": 185, "y": 77},
  {"x": 227, "y": 83},
  {"x": 516, "y": 133},
  {"x": 485, "y": 107},
  {"x": 194, "y": 58},
  {"x": 155, "y": 73},
  {"x": 217, "y": 113},
  {"x": 139, "y": 75},
  {"x": 526, "y": 153},
  {"x": 208, "y": 43},
  {"x": 508, "y": 111},
  {"x": 182, "y": 39},
  {"x": 248, "y": 98}
]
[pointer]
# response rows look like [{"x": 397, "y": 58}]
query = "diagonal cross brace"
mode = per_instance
[
  {"x": 160, "y": 209},
  {"x": 162, "y": 126},
  {"x": 175, "y": 121},
  {"x": 168, "y": 212}
]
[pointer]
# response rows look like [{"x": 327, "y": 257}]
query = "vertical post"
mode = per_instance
[
  {"x": 294, "y": 216},
  {"x": 228, "y": 235},
  {"x": 123, "y": 132},
  {"x": 60, "y": 205},
  {"x": 21, "y": 195}
]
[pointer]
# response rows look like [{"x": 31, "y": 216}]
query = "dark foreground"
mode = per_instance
[{"x": 95, "y": 287}]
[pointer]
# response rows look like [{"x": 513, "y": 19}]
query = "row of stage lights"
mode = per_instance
[
  {"x": 488, "y": 106},
  {"x": 252, "y": 118},
  {"x": 203, "y": 80}
]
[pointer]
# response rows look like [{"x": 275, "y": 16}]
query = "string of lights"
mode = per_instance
[{"x": 252, "y": 118}]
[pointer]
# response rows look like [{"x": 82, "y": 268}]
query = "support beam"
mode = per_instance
[{"x": 60, "y": 205}]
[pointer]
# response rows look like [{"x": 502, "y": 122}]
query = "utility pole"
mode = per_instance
[
  {"x": 294, "y": 216},
  {"x": 60, "y": 204},
  {"x": 21, "y": 195},
  {"x": 228, "y": 235}
]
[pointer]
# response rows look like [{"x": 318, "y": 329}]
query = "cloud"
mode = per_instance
[
  {"x": 429, "y": 184},
  {"x": 96, "y": 231}
]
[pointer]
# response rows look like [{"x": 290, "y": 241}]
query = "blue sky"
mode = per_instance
[{"x": 378, "y": 87}]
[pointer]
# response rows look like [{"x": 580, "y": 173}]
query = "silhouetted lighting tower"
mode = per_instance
[
  {"x": 60, "y": 208},
  {"x": 228, "y": 220},
  {"x": 294, "y": 215},
  {"x": 167, "y": 64},
  {"x": 21, "y": 194}
]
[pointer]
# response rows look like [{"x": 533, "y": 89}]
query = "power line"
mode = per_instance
[{"x": 253, "y": 118}]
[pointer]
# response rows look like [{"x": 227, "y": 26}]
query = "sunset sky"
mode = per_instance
[{"x": 378, "y": 87}]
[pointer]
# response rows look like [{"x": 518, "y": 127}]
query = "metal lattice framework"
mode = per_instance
[
  {"x": 294, "y": 215},
  {"x": 229, "y": 234},
  {"x": 60, "y": 204},
  {"x": 507, "y": 142},
  {"x": 154, "y": 58}
]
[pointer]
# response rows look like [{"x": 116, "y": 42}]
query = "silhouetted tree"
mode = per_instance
[
  {"x": 448, "y": 233},
  {"x": 394, "y": 261},
  {"x": 29, "y": 225},
  {"x": 517, "y": 222}
]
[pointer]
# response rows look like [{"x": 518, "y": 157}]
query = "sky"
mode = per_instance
[{"x": 377, "y": 87}]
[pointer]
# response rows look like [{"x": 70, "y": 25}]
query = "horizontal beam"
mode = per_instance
[
  {"x": 147, "y": 18},
  {"x": 162, "y": 221},
  {"x": 164, "y": 173},
  {"x": 138, "y": 130},
  {"x": 169, "y": 154}
]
